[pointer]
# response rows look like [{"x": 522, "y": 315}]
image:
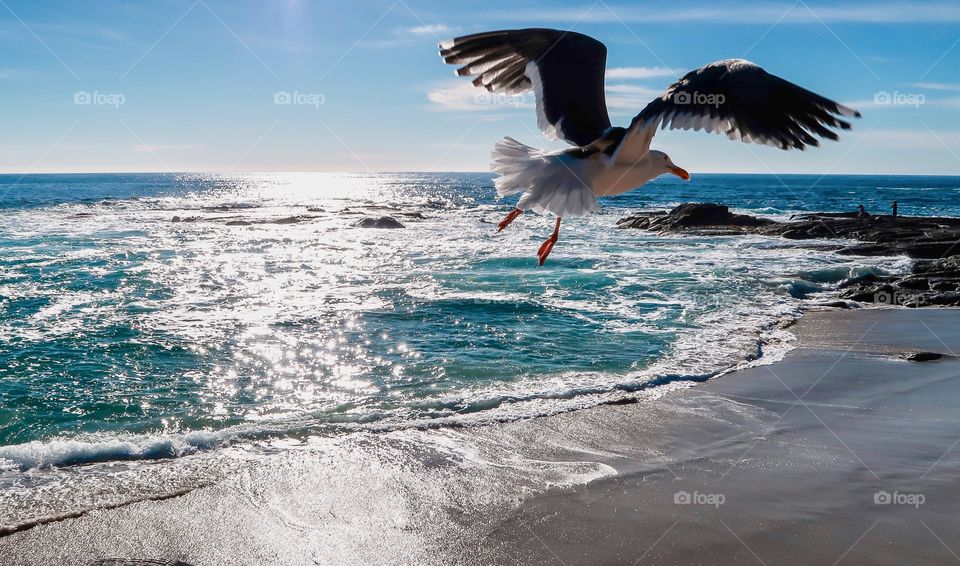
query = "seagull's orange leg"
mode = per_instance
[
  {"x": 510, "y": 218},
  {"x": 547, "y": 245}
]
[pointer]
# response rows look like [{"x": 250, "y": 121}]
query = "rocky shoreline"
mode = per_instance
[{"x": 933, "y": 241}]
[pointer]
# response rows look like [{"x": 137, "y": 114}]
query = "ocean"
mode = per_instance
[{"x": 158, "y": 330}]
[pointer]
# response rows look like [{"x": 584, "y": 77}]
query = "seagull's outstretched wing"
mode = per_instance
[
  {"x": 564, "y": 69},
  {"x": 739, "y": 99}
]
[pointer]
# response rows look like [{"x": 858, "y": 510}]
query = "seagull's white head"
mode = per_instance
[{"x": 662, "y": 164}]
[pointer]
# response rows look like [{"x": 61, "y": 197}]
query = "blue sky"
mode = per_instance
[{"x": 193, "y": 85}]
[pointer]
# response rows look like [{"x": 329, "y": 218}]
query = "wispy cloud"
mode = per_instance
[
  {"x": 896, "y": 12},
  {"x": 904, "y": 101},
  {"x": 407, "y": 35},
  {"x": 952, "y": 102},
  {"x": 642, "y": 72},
  {"x": 78, "y": 34},
  {"x": 629, "y": 99},
  {"x": 937, "y": 86},
  {"x": 432, "y": 29},
  {"x": 463, "y": 96}
]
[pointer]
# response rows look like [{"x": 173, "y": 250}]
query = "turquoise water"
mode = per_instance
[{"x": 151, "y": 316}]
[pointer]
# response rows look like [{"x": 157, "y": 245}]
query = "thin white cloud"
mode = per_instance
[
  {"x": 412, "y": 35},
  {"x": 952, "y": 102},
  {"x": 625, "y": 73},
  {"x": 463, "y": 96},
  {"x": 937, "y": 86},
  {"x": 631, "y": 98},
  {"x": 897, "y": 100},
  {"x": 896, "y": 12},
  {"x": 431, "y": 29}
]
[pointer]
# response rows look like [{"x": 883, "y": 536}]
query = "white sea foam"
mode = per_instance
[{"x": 55, "y": 453}]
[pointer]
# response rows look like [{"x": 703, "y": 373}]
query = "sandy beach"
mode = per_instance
[{"x": 841, "y": 453}]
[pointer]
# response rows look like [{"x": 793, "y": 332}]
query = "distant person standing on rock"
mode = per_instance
[
  {"x": 861, "y": 211},
  {"x": 894, "y": 208}
]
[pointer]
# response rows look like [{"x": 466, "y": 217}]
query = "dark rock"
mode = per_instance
[
  {"x": 795, "y": 234},
  {"x": 289, "y": 220},
  {"x": 921, "y": 356},
  {"x": 381, "y": 222},
  {"x": 699, "y": 215},
  {"x": 315, "y": 209},
  {"x": 941, "y": 265},
  {"x": 935, "y": 279},
  {"x": 913, "y": 247},
  {"x": 239, "y": 223},
  {"x": 819, "y": 231},
  {"x": 914, "y": 282},
  {"x": 838, "y": 305},
  {"x": 905, "y": 290},
  {"x": 919, "y": 237},
  {"x": 862, "y": 280},
  {"x": 230, "y": 207},
  {"x": 693, "y": 215},
  {"x": 944, "y": 285},
  {"x": 943, "y": 299}
]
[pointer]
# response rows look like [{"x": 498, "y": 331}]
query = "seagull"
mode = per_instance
[{"x": 566, "y": 72}]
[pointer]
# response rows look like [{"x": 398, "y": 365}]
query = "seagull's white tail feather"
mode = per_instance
[
  {"x": 550, "y": 182},
  {"x": 517, "y": 164}
]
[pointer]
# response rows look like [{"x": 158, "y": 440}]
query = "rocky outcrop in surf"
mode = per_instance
[
  {"x": 934, "y": 280},
  {"x": 379, "y": 222},
  {"x": 915, "y": 236}
]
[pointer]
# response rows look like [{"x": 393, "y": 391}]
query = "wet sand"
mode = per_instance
[
  {"x": 852, "y": 459},
  {"x": 840, "y": 453}
]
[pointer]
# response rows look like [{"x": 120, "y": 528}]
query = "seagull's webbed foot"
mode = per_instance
[
  {"x": 547, "y": 246},
  {"x": 510, "y": 218}
]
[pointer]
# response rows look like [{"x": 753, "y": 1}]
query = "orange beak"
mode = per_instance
[{"x": 680, "y": 172}]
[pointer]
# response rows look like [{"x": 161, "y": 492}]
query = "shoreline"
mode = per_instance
[
  {"x": 623, "y": 394},
  {"x": 524, "y": 491}
]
